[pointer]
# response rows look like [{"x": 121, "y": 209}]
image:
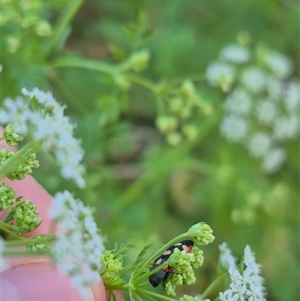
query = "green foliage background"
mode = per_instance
[{"x": 143, "y": 189}]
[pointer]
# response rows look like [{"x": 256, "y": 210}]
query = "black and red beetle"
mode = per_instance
[{"x": 162, "y": 275}]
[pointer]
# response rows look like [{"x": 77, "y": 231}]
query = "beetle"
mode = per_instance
[{"x": 163, "y": 274}]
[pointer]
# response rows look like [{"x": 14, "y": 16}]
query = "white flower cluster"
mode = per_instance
[
  {"x": 41, "y": 117},
  {"x": 246, "y": 285},
  {"x": 261, "y": 110},
  {"x": 78, "y": 251}
]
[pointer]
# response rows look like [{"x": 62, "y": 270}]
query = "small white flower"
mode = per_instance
[
  {"x": 254, "y": 79},
  {"x": 220, "y": 74},
  {"x": 46, "y": 124},
  {"x": 286, "y": 127},
  {"x": 234, "y": 128},
  {"x": 273, "y": 87},
  {"x": 259, "y": 144},
  {"x": 266, "y": 111},
  {"x": 279, "y": 64},
  {"x": 292, "y": 96},
  {"x": 77, "y": 252},
  {"x": 235, "y": 53},
  {"x": 273, "y": 160},
  {"x": 12, "y": 108},
  {"x": 227, "y": 260},
  {"x": 247, "y": 286},
  {"x": 238, "y": 102},
  {"x": 262, "y": 101}
]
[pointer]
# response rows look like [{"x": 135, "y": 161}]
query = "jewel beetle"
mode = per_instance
[{"x": 163, "y": 274}]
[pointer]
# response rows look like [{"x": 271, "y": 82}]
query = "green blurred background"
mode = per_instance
[{"x": 143, "y": 189}]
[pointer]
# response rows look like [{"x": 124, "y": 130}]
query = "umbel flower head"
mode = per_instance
[
  {"x": 7, "y": 197},
  {"x": 77, "y": 252},
  {"x": 21, "y": 169},
  {"x": 26, "y": 217},
  {"x": 201, "y": 234},
  {"x": 183, "y": 264},
  {"x": 246, "y": 284},
  {"x": 112, "y": 266},
  {"x": 38, "y": 116},
  {"x": 261, "y": 108},
  {"x": 40, "y": 245},
  {"x": 11, "y": 137}
]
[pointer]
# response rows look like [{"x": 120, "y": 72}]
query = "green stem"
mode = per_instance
[
  {"x": 137, "y": 297},
  {"x": 61, "y": 27},
  {"x": 193, "y": 77},
  {"x": 145, "y": 296},
  {"x": 142, "y": 81},
  {"x": 212, "y": 287},
  {"x": 13, "y": 162},
  {"x": 160, "y": 106},
  {"x": 154, "y": 256},
  {"x": 199, "y": 166},
  {"x": 117, "y": 287},
  {"x": 24, "y": 252},
  {"x": 144, "y": 283},
  {"x": 148, "y": 274},
  {"x": 78, "y": 62},
  {"x": 33, "y": 240},
  {"x": 154, "y": 295},
  {"x": 6, "y": 229},
  {"x": 8, "y": 218}
]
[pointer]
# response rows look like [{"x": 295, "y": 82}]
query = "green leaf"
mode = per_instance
[{"x": 140, "y": 257}]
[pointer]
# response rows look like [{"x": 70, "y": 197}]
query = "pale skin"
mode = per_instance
[{"x": 36, "y": 278}]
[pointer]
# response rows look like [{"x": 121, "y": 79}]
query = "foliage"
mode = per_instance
[{"x": 132, "y": 75}]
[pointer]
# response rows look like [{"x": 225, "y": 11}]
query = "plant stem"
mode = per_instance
[
  {"x": 137, "y": 297},
  {"x": 73, "y": 62},
  {"x": 142, "y": 81},
  {"x": 155, "y": 255},
  {"x": 211, "y": 287},
  {"x": 11, "y": 164},
  {"x": 5, "y": 229},
  {"x": 192, "y": 77},
  {"x": 61, "y": 27},
  {"x": 154, "y": 295}
]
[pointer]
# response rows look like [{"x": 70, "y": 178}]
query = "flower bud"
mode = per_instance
[
  {"x": 176, "y": 104},
  {"x": 174, "y": 138},
  {"x": 190, "y": 131},
  {"x": 166, "y": 123},
  {"x": 121, "y": 81},
  {"x": 25, "y": 168},
  {"x": 139, "y": 60},
  {"x": 201, "y": 234},
  {"x": 7, "y": 197},
  {"x": 25, "y": 216},
  {"x": 188, "y": 89},
  {"x": 5, "y": 154},
  {"x": 38, "y": 247},
  {"x": 11, "y": 137}
]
